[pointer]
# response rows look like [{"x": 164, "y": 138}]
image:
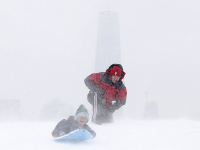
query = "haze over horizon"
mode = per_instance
[{"x": 48, "y": 48}]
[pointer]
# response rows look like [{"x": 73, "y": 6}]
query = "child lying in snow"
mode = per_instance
[{"x": 73, "y": 123}]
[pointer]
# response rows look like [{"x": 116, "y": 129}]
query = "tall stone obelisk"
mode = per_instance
[
  {"x": 108, "y": 45},
  {"x": 108, "y": 42}
]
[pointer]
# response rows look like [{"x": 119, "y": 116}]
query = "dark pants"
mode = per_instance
[{"x": 104, "y": 114}]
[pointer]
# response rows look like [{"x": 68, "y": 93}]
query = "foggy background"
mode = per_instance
[{"x": 48, "y": 47}]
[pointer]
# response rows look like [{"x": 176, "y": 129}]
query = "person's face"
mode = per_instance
[
  {"x": 82, "y": 120},
  {"x": 115, "y": 79}
]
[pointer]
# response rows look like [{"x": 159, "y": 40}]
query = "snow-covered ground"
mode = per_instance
[{"x": 121, "y": 135}]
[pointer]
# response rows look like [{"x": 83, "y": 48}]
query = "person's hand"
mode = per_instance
[
  {"x": 114, "y": 106},
  {"x": 112, "y": 109}
]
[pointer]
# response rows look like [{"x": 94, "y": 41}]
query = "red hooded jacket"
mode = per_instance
[{"x": 112, "y": 91}]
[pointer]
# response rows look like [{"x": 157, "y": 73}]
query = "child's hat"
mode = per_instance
[{"x": 81, "y": 112}]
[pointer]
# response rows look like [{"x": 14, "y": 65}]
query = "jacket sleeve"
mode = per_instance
[
  {"x": 120, "y": 99},
  {"x": 59, "y": 129},
  {"x": 64, "y": 127},
  {"x": 86, "y": 127},
  {"x": 93, "y": 82}
]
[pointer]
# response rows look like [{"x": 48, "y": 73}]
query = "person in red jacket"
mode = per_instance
[{"x": 110, "y": 90}]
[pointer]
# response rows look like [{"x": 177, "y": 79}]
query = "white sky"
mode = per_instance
[{"x": 47, "y": 48}]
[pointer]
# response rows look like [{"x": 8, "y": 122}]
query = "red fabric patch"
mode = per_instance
[{"x": 115, "y": 71}]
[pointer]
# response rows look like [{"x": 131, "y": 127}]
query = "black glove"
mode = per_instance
[
  {"x": 115, "y": 106},
  {"x": 90, "y": 97},
  {"x": 112, "y": 109}
]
